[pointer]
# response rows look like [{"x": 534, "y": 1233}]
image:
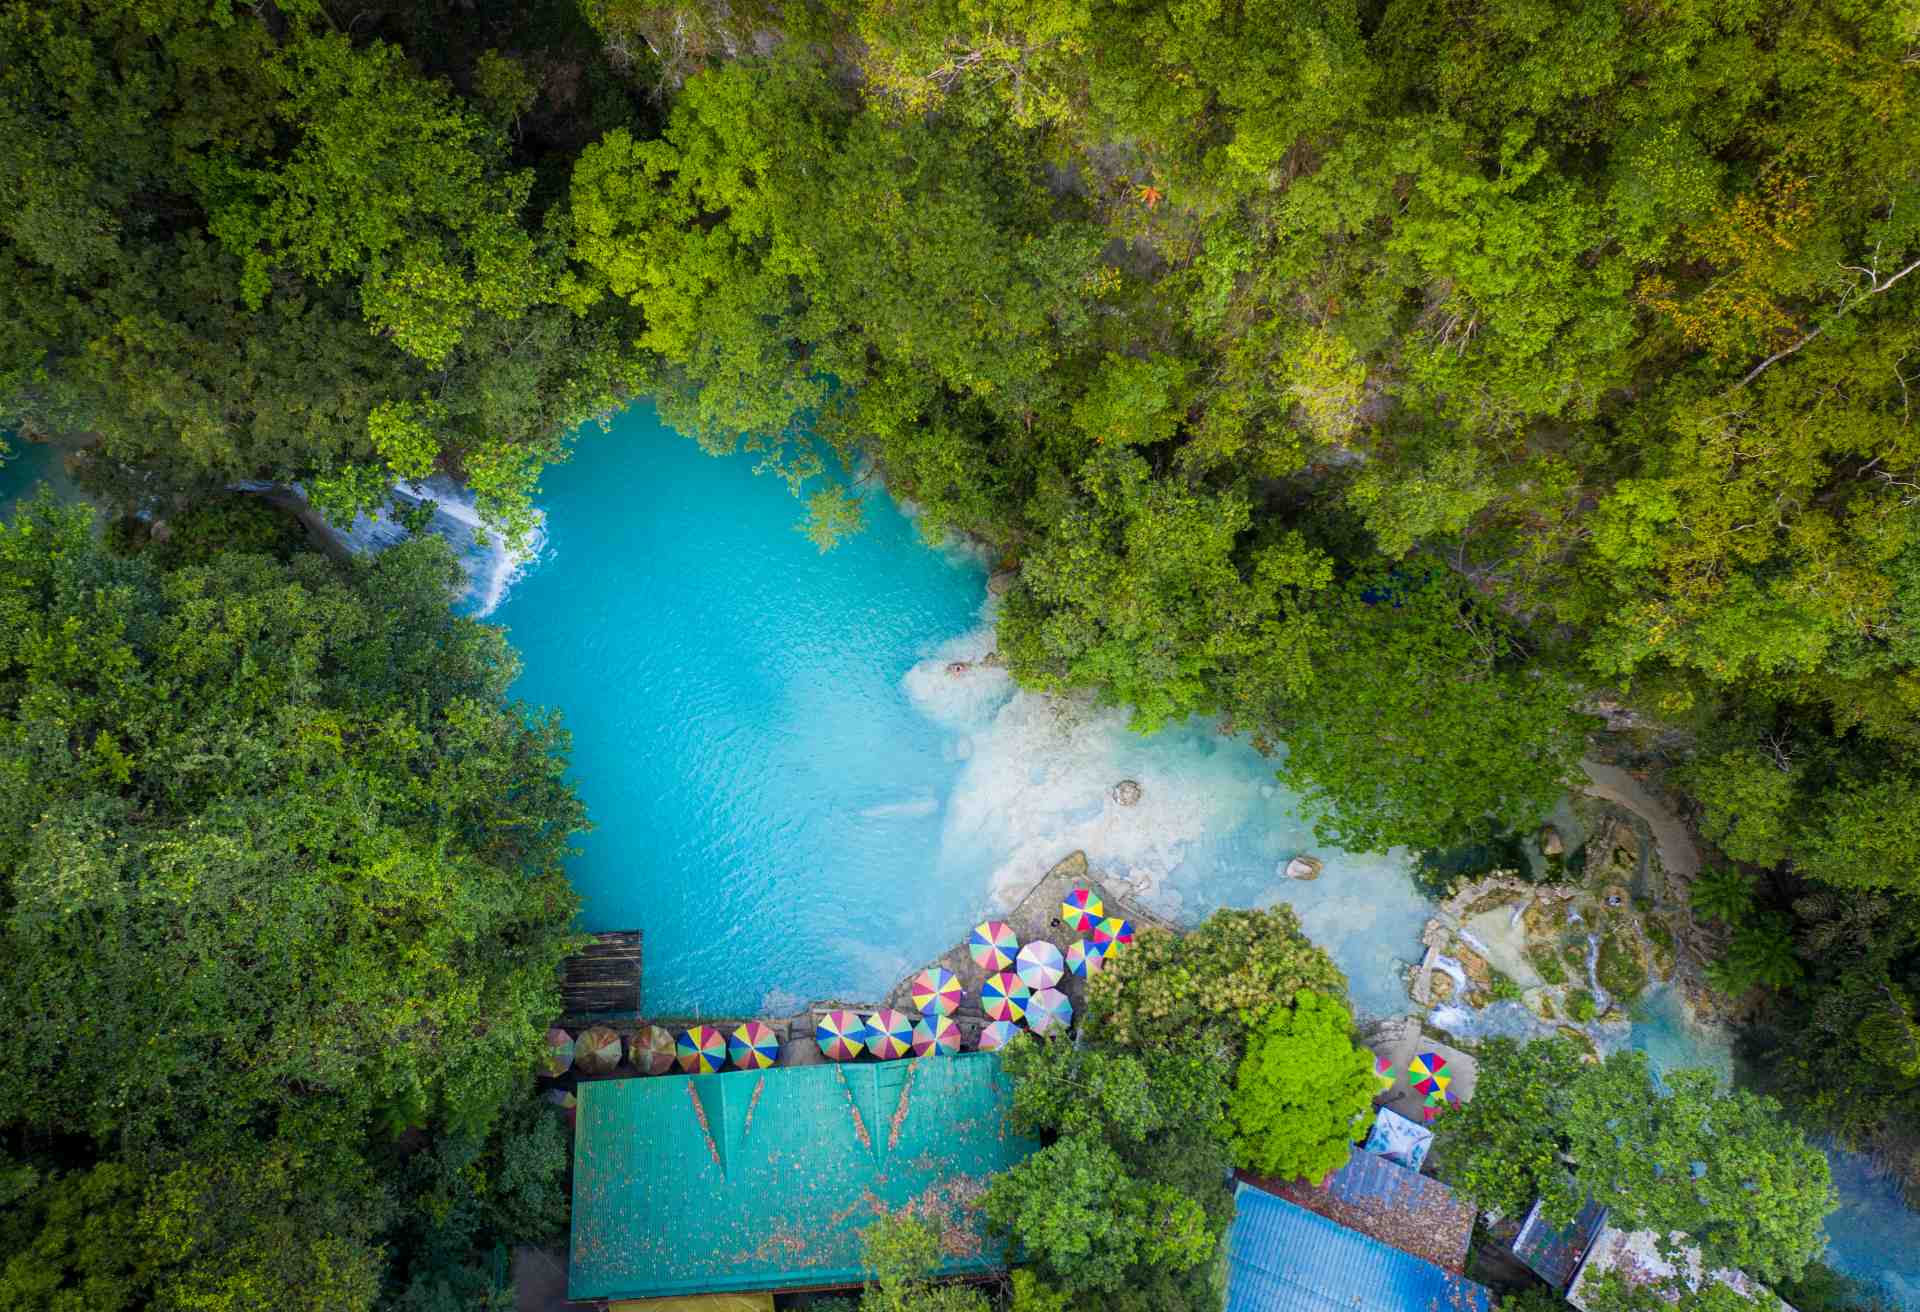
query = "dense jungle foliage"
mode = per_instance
[{"x": 1390, "y": 379}]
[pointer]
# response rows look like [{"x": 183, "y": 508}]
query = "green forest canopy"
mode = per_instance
[{"x": 1381, "y": 378}]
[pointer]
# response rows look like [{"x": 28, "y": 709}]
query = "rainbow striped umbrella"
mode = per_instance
[
  {"x": 1004, "y": 996},
  {"x": 1081, "y": 909},
  {"x": 702, "y": 1050},
  {"x": 753, "y": 1047},
  {"x": 889, "y": 1034},
  {"x": 993, "y": 945},
  {"x": 654, "y": 1050},
  {"x": 935, "y": 1034},
  {"x": 1084, "y": 958},
  {"x": 1428, "y": 1073},
  {"x": 559, "y": 1051},
  {"x": 1113, "y": 932},
  {"x": 936, "y": 990},
  {"x": 1040, "y": 964},
  {"x": 1048, "y": 1010},
  {"x": 1437, "y": 1102},
  {"x": 842, "y": 1036},
  {"x": 1383, "y": 1073},
  {"x": 997, "y": 1036}
]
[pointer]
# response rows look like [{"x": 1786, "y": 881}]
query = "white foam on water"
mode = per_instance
[
  {"x": 1208, "y": 831},
  {"x": 918, "y": 806}
]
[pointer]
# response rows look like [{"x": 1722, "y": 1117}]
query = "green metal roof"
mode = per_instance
[{"x": 764, "y": 1179}]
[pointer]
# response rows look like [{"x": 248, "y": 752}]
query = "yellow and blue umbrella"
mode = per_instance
[
  {"x": 753, "y": 1046},
  {"x": 1428, "y": 1073},
  {"x": 1084, "y": 958},
  {"x": 842, "y": 1036},
  {"x": 937, "y": 991},
  {"x": 1048, "y": 1010},
  {"x": 997, "y": 1036},
  {"x": 935, "y": 1035},
  {"x": 1082, "y": 910},
  {"x": 702, "y": 1050},
  {"x": 889, "y": 1034},
  {"x": 993, "y": 945},
  {"x": 1040, "y": 964},
  {"x": 1112, "y": 933},
  {"x": 1004, "y": 996}
]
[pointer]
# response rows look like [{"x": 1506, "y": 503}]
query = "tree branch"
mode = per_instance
[{"x": 1780, "y": 355}]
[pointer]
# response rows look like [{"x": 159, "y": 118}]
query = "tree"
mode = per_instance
[
  {"x": 1499, "y": 1148},
  {"x": 1422, "y": 718},
  {"x": 1680, "y": 1154},
  {"x": 1214, "y": 983},
  {"x": 1726, "y": 1168},
  {"x": 1303, "y": 1091},
  {"x": 279, "y": 858},
  {"x": 902, "y": 1250}
]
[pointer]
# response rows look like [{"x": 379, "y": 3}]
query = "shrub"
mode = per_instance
[{"x": 1303, "y": 1091}]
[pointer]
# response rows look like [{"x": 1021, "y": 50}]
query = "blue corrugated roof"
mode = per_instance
[
  {"x": 1554, "y": 1254},
  {"x": 1283, "y": 1258},
  {"x": 1370, "y": 1178}
]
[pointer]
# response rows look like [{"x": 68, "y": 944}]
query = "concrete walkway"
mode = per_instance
[{"x": 1611, "y": 783}]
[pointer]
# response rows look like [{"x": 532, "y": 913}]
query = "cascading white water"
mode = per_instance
[
  {"x": 491, "y": 566},
  {"x": 1602, "y": 1000}
]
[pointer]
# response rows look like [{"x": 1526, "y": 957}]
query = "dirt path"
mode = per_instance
[{"x": 1612, "y": 784}]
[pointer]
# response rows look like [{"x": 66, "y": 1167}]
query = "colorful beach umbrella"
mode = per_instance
[
  {"x": 559, "y": 1052},
  {"x": 569, "y": 1105},
  {"x": 935, "y": 1035},
  {"x": 1383, "y": 1074},
  {"x": 596, "y": 1051},
  {"x": 993, "y": 945},
  {"x": 1048, "y": 1010},
  {"x": 1438, "y": 1102},
  {"x": 1004, "y": 996},
  {"x": 1040, "y": 964},
  {"x": 701, "y": 1050},
  {"x": 997, "y": 1035},
  {"x": 889, "y": 1034},
  {"x": 1084, "y": 958},
  {"x": 1082, "y": 910},
  {"x": 653, "y": 1050},
  {"x": 842, "y": 1036},
  {"x": 1113, "y": 932},
  {"x": 753, "y": 1046},
  {"x": 1428, "y": 1073},
  {"x": 937, "y": 991}
]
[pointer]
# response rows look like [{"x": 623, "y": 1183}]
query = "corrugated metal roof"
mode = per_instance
[
  {"x": 1283, "y": 1258},
  {"x": 1379, "y": 1197},
  {"x": 755, "y": 1180},
  {"x": 1555, "y": 1254}
]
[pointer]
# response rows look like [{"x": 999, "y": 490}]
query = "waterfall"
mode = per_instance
[
  {"x": 490, "y": 567},
  {"x": 1601, "y": 998},
  {"x": 1449, "y": 966}
]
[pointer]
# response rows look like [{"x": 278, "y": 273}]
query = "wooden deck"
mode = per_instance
[{"x": 604, "y": 979}]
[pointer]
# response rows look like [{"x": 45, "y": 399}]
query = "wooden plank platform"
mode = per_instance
[{"x": 604, "y": 979}]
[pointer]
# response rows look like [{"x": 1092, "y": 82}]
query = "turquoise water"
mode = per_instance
[
  {"x": 794, "y": 796},
  {"x": 26, "y": 466}
]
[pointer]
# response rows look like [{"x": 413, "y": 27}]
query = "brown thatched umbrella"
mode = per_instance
[
  {"x": 596, "y": 1051},
  {"x": 653, "y": 1050}
]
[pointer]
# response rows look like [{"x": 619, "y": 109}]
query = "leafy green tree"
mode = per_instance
[
  {"x": 1726, "y": 1169},
  {"x": 1723, "y": 894},
  {"x": 1498, "y": 1148},
  {"x": 1214, "y": 983},
  {"x": 1303, "y": 1091},
  {"x": 1422, "y": 718},
  {"x": 902, "y": 1251},
  {"x": 1761, "y": 952}
]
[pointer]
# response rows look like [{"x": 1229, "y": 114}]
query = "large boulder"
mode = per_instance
[
  {"x": 1304, "y": 867},
  {"x": 1126, "y": 792},
  {"x": 1550, "y": 841}
]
